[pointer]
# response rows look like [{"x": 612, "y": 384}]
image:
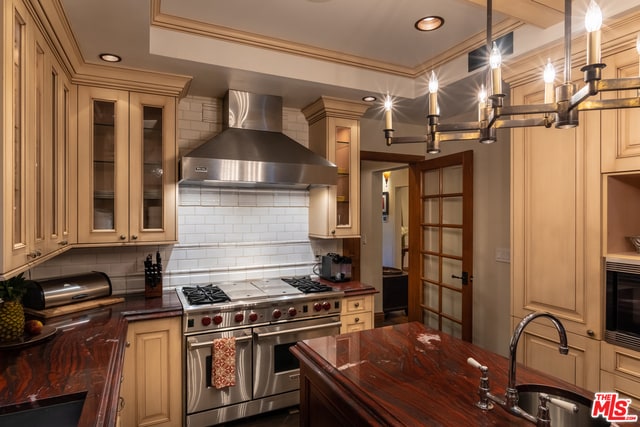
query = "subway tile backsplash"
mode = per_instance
[{"x": 224, "y": 234}]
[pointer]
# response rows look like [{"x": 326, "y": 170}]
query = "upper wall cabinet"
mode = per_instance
[
  {"x": 127, "y": 161},
  {"x": 38, "y": 146},
  {"x": 621, "y": 128},
  {"x": 334, "y": 133}
]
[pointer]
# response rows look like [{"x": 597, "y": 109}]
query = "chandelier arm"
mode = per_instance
[
  {"x": 457, "y": 127},
  {"x": 581, "y": 95},
  {"x": 407, "y": 139},
  {"x": 626, "y": 83},
  {"x": 609, "y": 104},
  {"x": 459, "y": 136},
  {"x": 512, "y": 110},
  {"x": 521, "y": 123}
]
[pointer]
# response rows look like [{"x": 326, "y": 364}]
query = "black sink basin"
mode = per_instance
[
  {"x": 528, "y": 400},
  {"x": 61, "y": 412}
]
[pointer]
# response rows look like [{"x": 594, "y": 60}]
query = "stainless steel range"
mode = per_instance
[{"x": 264, "y": 318}]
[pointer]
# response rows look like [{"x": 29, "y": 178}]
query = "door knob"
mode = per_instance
[{"x": 465, "y": 277}]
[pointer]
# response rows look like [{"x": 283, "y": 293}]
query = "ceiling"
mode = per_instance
[{"x": 302, "y": 49}]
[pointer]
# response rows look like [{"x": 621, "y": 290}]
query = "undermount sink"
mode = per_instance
[
  {"x": 61, "y": 412},
  {"x": 528, "y": 400}
]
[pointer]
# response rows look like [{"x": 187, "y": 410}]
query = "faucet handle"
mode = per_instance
[
  {"x": 473, "y": 362},
  {"x": 567, "y": 406}
]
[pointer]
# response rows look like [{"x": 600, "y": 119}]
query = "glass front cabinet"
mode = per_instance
[
  {"x": 127, "y": 167},
  {"x": 334, "y": 133}
]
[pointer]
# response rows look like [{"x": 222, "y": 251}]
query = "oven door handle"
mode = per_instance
[
  {"x": 293, "y": 331},
  {"x": 194, "y": 345}
]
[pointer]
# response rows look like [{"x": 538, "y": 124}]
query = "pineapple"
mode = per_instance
[{"x": 11, "y": 310}]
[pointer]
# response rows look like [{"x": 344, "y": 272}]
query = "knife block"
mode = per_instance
[{"x": 152, "y": 288}]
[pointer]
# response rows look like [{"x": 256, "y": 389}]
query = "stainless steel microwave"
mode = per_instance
[{"x": 622, "y": 310}]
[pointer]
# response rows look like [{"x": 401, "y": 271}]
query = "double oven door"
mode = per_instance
[{"x": 276, "y": 370}]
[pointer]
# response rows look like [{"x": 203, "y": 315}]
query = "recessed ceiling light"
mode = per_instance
[
  {"x": 110, "y": 57},
  {"x": 429, "y": 23},
  {"x": 369, "y": 98}
]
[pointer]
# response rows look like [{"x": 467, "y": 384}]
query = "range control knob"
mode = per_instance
[
  {"x": 326, "y": 305},
  {"x": 317, "y": 306},
  {"x": 217, "y": 319},
  {"x": 292, "y": 311},
  {"x": 276, "y": 314},
  {"x": 253, "y": 316},
  {"x": 206, "y": 321},
  {"x": 239, "y": 317}
]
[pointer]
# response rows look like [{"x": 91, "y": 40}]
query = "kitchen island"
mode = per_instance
[{"x": 402, "y": 375}]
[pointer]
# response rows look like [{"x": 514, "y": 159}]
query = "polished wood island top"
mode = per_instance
[{"x": 402, "y": 375}]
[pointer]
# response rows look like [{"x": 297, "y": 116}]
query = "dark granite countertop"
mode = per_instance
[
  {"x": 84, "y": 357},
  {"x": 352, "y": 288},
  {"x": 410, "y": 375}
]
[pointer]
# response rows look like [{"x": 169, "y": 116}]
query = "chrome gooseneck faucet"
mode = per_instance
[
  {"x": 511, "y": 392},
  {"x": 510, "y": 402}
]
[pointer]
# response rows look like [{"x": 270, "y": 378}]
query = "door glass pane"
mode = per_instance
[
  {"x": 431, "y": 211},
  {"x": 18, "y": 130},
  {"x": 452, "y": 303},
  {"x": 431, "y": 241},
  {"x": 153, "y": 173},
  {"x": 451, "y": 267},
  {"x": 103, "y": 165},
  {"x": 343, "y": 162},
  {"x": 431, "y": 183},
  {"x": 452, "y": 179},
  {"x": 430, "y": 319},
  {"x": 451, "y": 328},
  {"x": 430, "y": 296},
  {"x": 452, "y": 210},
  {"x": 452, "y": 241},
  {"x": 430, "y": 268}
]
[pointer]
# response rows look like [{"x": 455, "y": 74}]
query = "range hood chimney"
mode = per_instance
[{"x": 252, "y": 151}]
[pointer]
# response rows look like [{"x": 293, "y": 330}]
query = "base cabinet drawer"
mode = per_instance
[
  {"x": 625, "y": 387},
  {"x": 356, "y": 314}
]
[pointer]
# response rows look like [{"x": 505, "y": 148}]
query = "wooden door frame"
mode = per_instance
[{"x": 464, "y": 158}]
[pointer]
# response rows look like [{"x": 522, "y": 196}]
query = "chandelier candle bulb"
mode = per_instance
[
  {"x": 482, "y": 103},
  {"x": 433, "y": 94},
  {"x": 549, "y": 76},
  {"x": 387, "y": 113},
  {"x": 592, "y": 23},
  {"x": 495, "y": 60}
]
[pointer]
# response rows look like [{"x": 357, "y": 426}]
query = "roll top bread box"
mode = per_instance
[{"x": 55, "y": 292}]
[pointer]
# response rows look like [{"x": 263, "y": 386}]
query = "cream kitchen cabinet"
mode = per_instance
[
  {"x": 621, "y": 128},
  {"x": 357, "y": 313},
  {"x": 555, "y": 236},
  {"x": 334, "y": 133},
  {"x": 151, "y": 388},
  {"x": 127, "y": 161},
  {"x": 38, "y": 146},
  {"x": 620, "y": 372}
]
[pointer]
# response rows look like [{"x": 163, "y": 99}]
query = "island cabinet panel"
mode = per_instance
[
  {"x": 621, "y": 128},
  {"x": 555, "y": 230},
  {"x": 151, "y": 389}
]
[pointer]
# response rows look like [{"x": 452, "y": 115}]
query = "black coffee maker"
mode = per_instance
[{"x": 336, "y": 268}]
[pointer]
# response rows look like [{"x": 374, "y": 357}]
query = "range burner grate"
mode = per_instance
[
  {"x": 306, "y": 285},
  {"x": 209, "y": 294}
]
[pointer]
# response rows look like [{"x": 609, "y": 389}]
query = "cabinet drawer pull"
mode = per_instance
[
  {"x": 356, "y": 305},
  {"x": 134, "y": 237},
  {"x": 123, "y": 237}
]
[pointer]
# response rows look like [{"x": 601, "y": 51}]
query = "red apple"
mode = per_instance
[{"x": 33, "y": 327}]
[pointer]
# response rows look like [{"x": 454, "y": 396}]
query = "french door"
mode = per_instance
[{"x": 441, "y": 243}]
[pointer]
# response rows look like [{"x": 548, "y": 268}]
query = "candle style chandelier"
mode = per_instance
[{"x": 561, "y": 104}]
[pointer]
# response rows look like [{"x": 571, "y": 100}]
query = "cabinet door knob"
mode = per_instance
[
  {"x": 590, "y": 332},
  {"x": 356, "y": 305},
  {"x": 128, "y": 344},
  {"x": 134, "y": 237},
  {"x": 123, "y": 237},
  {"x": 357, "y": 319},
  {"x": 63, "y": 243}
]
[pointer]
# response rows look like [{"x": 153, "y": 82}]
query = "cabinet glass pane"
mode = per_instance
[
  {"x": 53, "y": 159},
  {"x": 103, "y": 165},
  {"x": 343, "y": 162},
  {"x": 18, "y": 130},
  {"x": 153, "y": 172},
  {"x": 38, "y": 145}
]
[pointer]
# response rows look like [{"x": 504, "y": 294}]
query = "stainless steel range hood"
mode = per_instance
[{"x": 252, "y": 151}]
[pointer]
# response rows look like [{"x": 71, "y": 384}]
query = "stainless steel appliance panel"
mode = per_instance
[
  {"x": 201, "y": 394},
  {"x": 276, "y": 369}
]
